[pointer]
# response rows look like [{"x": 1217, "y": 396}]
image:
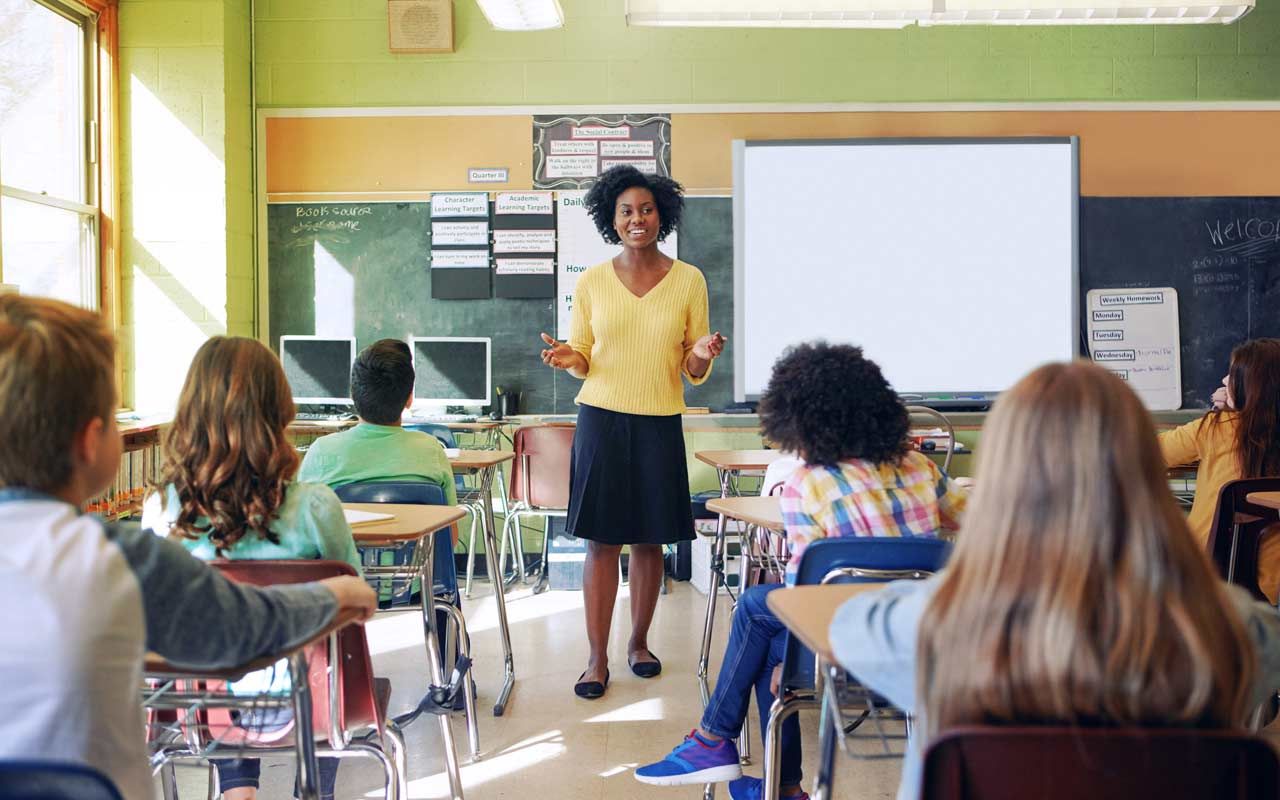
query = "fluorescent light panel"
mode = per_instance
[
  {"x": 900, "y": 13},
  {"x": 522, "y": 15}
]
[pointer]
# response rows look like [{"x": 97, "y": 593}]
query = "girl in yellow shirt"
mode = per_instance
[{"x": 1240, "y": 438}]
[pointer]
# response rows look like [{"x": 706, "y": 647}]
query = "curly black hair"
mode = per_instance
[
  {"x": 602, "y": 200},
  {"x": 829, "y": 403}
]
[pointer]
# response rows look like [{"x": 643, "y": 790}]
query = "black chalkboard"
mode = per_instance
[
  {"x": 1222, "y": 254},
  {"x": 365, "y": 266}
]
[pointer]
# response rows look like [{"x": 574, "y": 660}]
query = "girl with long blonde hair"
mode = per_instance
[
  {"x": 1076, "y": 594},
  {"x": 227, "y": 489}
]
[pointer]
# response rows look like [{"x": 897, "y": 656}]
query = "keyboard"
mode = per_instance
[
  {"x": 309, "y": 416},
  {"x": 445, "y": 418}
]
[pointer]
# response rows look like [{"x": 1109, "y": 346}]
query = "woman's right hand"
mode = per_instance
[
  {"x": 352, "y": 594},
  {"x": 559, "y": 354},
  {"x": 1219, "y": 398}
]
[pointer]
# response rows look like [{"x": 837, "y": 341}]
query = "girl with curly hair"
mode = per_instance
[
  {"x": 639, "y": 326},
  {"x": 228, "y": 489},
  {"x": 832, "y": 407}
]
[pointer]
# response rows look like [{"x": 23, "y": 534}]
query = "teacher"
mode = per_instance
[{"x": 639, "y": 323}]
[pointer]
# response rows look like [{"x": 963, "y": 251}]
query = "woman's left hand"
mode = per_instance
[{"x": 709, "y": 346}]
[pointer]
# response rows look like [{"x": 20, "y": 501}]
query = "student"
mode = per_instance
[
  {"x": 379, "y": 449},
  {"x": 1240, "y": 438},
  {"x": 229, "y": 490},
  {"x": 834, "y": 408},
  {"x": 83, "y": 600},
  {"x": 1076, "y": 594}
]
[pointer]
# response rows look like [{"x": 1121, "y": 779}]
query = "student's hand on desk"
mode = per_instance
[
  {"x": 709, "y": 346},
  {"x": 558, "y": 354},
  {"x": 353, "y": 594}
]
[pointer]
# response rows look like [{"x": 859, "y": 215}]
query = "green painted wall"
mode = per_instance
[{"x": 334, "y": 53}]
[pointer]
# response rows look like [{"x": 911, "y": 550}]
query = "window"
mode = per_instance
[{"x": 48, "y": 143}]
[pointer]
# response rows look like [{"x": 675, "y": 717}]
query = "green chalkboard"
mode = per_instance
[{"x": 339, "y": 268}]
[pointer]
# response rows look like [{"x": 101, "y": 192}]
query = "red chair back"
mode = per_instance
[
  {"x": 357, "y": 706},
  {"x": 1054, "y": 763},
  {"x": 543, "y": 453}
]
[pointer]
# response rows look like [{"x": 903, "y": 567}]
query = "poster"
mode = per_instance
[{"x": 570, "y": 151}]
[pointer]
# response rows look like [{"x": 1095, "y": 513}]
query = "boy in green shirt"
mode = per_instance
[{"x": 379, "y": 449}]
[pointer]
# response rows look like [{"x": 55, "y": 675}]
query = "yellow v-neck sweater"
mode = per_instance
[{"x": 636, "y": 347}]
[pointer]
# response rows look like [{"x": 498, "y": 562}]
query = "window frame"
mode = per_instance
[{"x": 99, "y": 146}]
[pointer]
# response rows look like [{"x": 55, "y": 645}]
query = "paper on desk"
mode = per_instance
[
  {"x": 452, "y": 452},
  {"x": 356, "y": 517}
]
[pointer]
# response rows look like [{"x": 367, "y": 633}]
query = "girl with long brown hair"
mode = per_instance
[
  {"x": 1239, "y": 438},
  {"x": 227, "y": 489},
  {"x": 1075, "y": 595}
]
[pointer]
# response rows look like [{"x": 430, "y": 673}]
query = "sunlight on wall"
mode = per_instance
[
  {"x": 335, "y": 295},
  {"x": 177, "y": 251}
]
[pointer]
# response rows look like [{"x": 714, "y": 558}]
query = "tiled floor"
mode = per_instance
[{"x": 550, "y": 745}]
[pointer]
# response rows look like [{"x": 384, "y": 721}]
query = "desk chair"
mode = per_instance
[
  {"x": 54, "y": 780},
  {"x": 468, "y": 496},
  {"x": 1058, "y": 763},
  {"x": 349, "y": 703},
  {"x": 1238, "y": 529},
  {"x": 539, "y": 486},
  {"x": 850, "y": 559},
  {"x": 444, "y": 572}
]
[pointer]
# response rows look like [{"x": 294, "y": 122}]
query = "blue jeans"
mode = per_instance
[
  {"x": 755, "y": 648},
  {"x": 237, "y": 773}
]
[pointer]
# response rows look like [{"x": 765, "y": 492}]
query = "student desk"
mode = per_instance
[
  {"x": 168, "y": 695},
  {"x": 417, "y": 523},
  {"x": 729, "y": 465},
  {"x": 1265, "y": 499},
  {"x": 486, "y": 463},
  {"x": 807, "y": 612}
]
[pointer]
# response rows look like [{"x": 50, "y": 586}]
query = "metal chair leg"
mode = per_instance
[
  {"x": 459, "y": 623},
  {"x": 392, "y": 737},
  {"x": 471, "y": 552},
  {"x": 782, "y": 709}
]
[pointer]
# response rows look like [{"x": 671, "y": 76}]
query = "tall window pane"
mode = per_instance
[
  {"x": 42, "y": 100},
  {"x": 45, "y": 251}
]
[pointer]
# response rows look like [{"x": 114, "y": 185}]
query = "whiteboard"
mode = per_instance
[
  {"x": 953, "y": 263},
  {"x": 1134, "y": 334}
]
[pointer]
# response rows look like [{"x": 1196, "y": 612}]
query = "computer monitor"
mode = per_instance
[
  {"x": 451, "y": 371},
  {"x": 318, "y": 368}
]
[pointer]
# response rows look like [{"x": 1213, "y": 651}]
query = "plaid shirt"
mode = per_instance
[{"x": 859, "y": 498}]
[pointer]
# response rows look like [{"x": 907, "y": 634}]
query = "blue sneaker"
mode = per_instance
[
  {"x": 694, "y": 761},
  {"x": 747, "y": 788}
]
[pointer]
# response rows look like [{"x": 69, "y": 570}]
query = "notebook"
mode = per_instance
[{"x": 356, "y": 517}]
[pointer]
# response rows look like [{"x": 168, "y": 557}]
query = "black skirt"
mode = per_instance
[{"x": 628, "y": 480}]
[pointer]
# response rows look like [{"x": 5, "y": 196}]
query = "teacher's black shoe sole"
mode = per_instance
[
  {"x": 591, "y": 690},
  {"x": 647, "y": 669}
]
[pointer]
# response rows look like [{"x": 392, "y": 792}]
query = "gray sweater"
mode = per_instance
[
  {"x": 874, "y": 637},
  {"x": 81, "y": 601}
]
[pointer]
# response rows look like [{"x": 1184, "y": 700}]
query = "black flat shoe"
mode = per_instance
[
  {"x": 646, "y": 669},
  {"x": 591, "y": 690}
]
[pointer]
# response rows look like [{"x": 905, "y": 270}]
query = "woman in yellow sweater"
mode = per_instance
[
  {"x": 639, "y": 325},
  {"x": 1240, "y": 438}
]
